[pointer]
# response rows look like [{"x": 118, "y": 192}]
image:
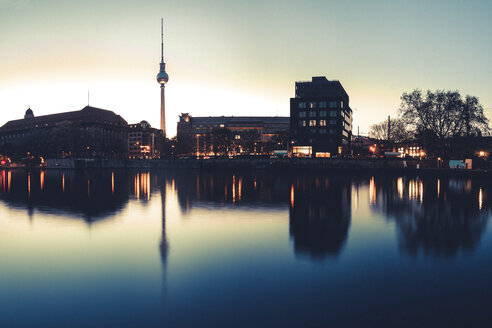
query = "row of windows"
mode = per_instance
[
  {"x": 322, "y": 131},
  {"x": 304, "y": 123},
  {"x": 323, "y": 113},
  {"x": 321, "y": 104}
]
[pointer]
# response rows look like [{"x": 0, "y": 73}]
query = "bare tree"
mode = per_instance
[{"x": 398, "y": 131}]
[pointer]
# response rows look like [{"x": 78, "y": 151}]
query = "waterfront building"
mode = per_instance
[
  {"x": 89, "y": 132},
  {"x": 162, "y": 78},
  {"x": 320, "y": 119},
  {"x": 232, "y": 135},
  {"x": 144, "y": 141}
]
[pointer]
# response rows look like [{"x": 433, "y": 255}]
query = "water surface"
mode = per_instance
[{"x": 243, "y": 249}]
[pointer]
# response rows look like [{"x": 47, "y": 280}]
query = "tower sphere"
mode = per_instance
[{"x": 162, "y": 77}]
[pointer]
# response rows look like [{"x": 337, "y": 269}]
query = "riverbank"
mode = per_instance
[{"x": 274, "y": 164}]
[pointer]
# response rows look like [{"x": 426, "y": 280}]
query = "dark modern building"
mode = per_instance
[
  {"x": 320, "y": 119},
  {"x": 230, "y": 135},
  {"x": 144, "y": 141},
  {"x": 90, "y": 132}
]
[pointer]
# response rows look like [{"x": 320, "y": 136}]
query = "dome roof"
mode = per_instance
[
  {"x": 29, "y": 113},
  {"x": 162, "y": 77}
]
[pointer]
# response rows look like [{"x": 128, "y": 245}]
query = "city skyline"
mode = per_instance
[{"x": 235, "y": 58}]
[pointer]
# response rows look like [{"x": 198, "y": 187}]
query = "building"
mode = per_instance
[
  {"x": 90, "y": 132},
  {"x": 230, "y": 135},
  {"x": 320, "y": 119},
  {"x": 144, "y": 141},
  {"x": 162, "y": 79}
]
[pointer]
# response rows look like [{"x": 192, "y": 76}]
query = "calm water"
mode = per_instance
[{"x": 242, "y": 249}]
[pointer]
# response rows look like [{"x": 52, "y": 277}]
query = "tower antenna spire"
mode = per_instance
[{"x": 162, "y": 40}]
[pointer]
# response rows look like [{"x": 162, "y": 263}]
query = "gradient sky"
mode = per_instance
[{"x": 237, "y": 57}]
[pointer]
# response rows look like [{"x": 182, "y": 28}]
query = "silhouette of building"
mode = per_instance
[
  {"x": 320, "y": 119},
  {"x": 230, "y": 135},
  {"x": 144, "y": 141},
  {"x": 89, "y": 132}
]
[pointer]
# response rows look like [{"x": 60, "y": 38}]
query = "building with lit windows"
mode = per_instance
[
  {"x": 144, "y": 141},
  {"x": 320, "y": 119},
  {"x": 232, "y": 135}
]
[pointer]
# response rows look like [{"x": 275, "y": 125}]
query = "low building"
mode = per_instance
[
  {"x": 90, "y": 133},
  {"x": 320, "y": 119},
  {"x": 144, "y": 141},
  {"x": 231, "y": 135}
]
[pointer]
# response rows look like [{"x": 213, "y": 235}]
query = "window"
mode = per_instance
[
  {"x": 333, "y": 113},
  {"x": 333, "y": 104},
  {"x": 222, "y": 125},
  {"x": 322, "y": 104},
  {"x": 302, "y": 105},
  {"x": 312, "y": 122},
  {"x": 237, "y": 137},
  {"x": 302, "y": 123},
  {"x": 333, "y": 122},
  {"x": 341, "y": 104},
  {"x": 332, "y": 131},
  {"x": 312, "y": 114},
  {"x": 312, "y": 105},
  {"x": 322, "y": 113},
  {"x": 302, "y": 114},
  {"x": 322, "y": 122},
  {"x": 322, "y": 131}
]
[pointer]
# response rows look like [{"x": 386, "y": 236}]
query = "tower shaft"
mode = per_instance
[{"x": 163, "y": 110}]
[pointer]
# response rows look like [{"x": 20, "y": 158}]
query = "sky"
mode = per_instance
[{"x": 240, "y": 58}]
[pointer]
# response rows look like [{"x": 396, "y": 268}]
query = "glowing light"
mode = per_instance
[
  {"x": 438, "y": 187},
  {"x": 137, "y": 186},
  {"x": 29, "y": 184},
  {"x": 112, "y": 182},
  {"x": 9, "y": 179},
  {"x": 63, "y": 182},
  {"x": 421, "y": 191},
  {"x": 233, "y": 188},
  {"x": 148, "y": 185},
  {"x": 239, "y": 188}
]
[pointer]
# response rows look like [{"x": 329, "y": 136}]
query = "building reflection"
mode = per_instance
[
  {"x": 320, "y": 215},
  {"x": 435, "y": 216},
  {"x": 88, "y": 195}
]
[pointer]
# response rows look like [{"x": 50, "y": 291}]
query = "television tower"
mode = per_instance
[{"x": 162, "y": 78}]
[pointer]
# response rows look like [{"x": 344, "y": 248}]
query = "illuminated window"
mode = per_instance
[
  {"x": 322, "y": 122},
  {"x": 312, "y": 105},
  {"x": 237, "y": 136},
  {"x": 222, "y": 125},
  {"x": 302, "y": 123},
  {"x": 312, "y": 122}
]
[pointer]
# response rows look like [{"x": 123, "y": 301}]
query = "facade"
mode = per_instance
[
  {"x": 144, "y": 141},
  {"x": 89, "y": 133},
  {"x": 320, "y": 119},
  {"x": 230, "y": 135}
]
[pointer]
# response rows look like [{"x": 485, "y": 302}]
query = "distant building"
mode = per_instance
[
  {"x": 230, "y": 135},
  {"x": 320, "y": 119},
  {"x": 90, "y": 132},
  {"x": 144, "y": 141}
]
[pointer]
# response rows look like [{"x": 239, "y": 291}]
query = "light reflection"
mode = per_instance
[
  {"x": 438, "y": 187},
  {"x": 9, "y": 179},
  {"x": 480, "y": 199},
  {"x": 292, "y": 196},
  {"x": 89, "y": 188},
  {"x": 239, "y": 188},
  {"x": 112, "y": 183},
  {"x": 233, "y": 189},
  {"x": 372, "y": 191},
  {"x": 29, "y": 184},
  {"x": 421, "y": 191},
  {"x": 63, "y": 182},
  {"x": 3, "y": 180},
  {"x": 41, "y": 179},
  {"x": 399, "y": 186}
]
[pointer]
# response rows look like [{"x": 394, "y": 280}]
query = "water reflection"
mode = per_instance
[
  {"x": 319, "y": 215},
  {"x": 88, "y": 195},
  {"x": 438, "y": 217}
]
